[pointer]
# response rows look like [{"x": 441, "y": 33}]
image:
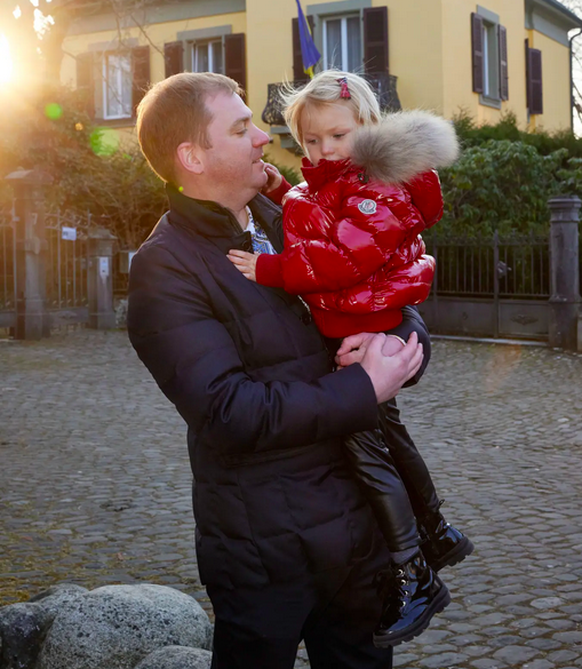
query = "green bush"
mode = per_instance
[{"x": 501, "y": 185}]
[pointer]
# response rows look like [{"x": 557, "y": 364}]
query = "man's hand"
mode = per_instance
[
  {"x": 246, "y": 263},
  {"x": 274, "y": 178},
  {"x": 388, "y": 373}
]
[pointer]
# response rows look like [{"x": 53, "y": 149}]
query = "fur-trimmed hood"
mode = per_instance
[{"x": 404, "y": 145}]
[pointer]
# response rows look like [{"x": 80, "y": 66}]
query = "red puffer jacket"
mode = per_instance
[{"x": 353, "y": 249}]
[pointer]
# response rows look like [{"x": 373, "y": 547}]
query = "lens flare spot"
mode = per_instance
[
  {"x": 104, "y": 141},
  {"x": 53, "y": 111}
]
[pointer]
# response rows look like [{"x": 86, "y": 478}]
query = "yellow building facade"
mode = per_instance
[{"x": 450, "y": 56}]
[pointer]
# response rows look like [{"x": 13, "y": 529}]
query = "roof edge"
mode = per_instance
[{"x": 563, "y": 10}]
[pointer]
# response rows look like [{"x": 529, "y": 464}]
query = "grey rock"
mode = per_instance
[
  {"x": 22, "y": 630},
  {"x": 177, "y": 657},
  {"x": 118, "y": 625},
  {"x": 57, "y": 596},
  {"x": 24, "y": 626}
]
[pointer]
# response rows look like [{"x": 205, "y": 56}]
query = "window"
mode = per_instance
[
  {"x": 203, "y": 53},
  {"x": 489, "y": 56},
  {"x": 355, "y": 41},
  {"x": 342, "y": 43},
  {"x": 208, "y": 57},
  {"x": 117, "y": 86}
]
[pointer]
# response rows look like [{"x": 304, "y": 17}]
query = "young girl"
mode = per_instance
[{"x": 354, "y": 253}]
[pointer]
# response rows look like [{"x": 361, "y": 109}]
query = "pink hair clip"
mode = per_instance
[{"x": 345, "y": 92}]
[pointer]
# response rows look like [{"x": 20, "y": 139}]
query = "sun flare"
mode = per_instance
[{"x": 5, "y": 61}]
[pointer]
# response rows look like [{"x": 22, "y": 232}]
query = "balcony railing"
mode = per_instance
[{"x": 384, "y": 86}]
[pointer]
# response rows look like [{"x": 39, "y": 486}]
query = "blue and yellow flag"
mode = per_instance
[{"x": 309, "y": 53}]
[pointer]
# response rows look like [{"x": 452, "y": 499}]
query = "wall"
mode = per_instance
[
  {"x": 429, "y": 50},
  {"x": 556, "y": 83},
  {"x": 458, "y": 91},
  {"x": 157, "y": 35}
]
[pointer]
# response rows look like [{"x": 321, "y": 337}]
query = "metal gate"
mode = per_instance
[
  {"x": 64, "y": 253},
  {"x": 66, "y": 268},
  {"x": 7, "y": 271},
  {"x": 489, "y": 287}
]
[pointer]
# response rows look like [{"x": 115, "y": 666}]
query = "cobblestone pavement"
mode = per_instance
[{"x": 95, "y": 488}]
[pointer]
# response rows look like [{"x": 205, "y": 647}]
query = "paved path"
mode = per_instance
[{"x": 94, "y": 488}]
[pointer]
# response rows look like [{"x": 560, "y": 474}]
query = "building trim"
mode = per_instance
[
  {"x": 551, "y": 19},
  {"x": 162, "y": 13},
  {"x": 488, "y": 101},
  {"x": 114, "y": 44},
  {"x": 572, "y": 19},
  {"x": 487, "y": 14},
  {"x": 204, "y": 33},
  {"x": 342, "y": 7}
]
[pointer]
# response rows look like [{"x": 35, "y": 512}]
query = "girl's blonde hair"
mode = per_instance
[{"x": 325, "y": 88}]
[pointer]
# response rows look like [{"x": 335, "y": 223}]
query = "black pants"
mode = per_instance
[
  {"x": 334, "y": 612},
  {"x": 393, "y": 477}
]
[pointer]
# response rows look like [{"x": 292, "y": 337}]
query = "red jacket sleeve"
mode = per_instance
[
  {"x": 276, "y": 195},
  {"x": 352, "y": 238},
  {"x": 427, "y": 197}
]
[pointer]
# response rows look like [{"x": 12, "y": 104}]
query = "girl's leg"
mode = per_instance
[
  {"x": 408, "y": 461},
  {"x": 442, "y": 544},
  {"x": 412, "y": 593},
  {"x": 384, "y": 490}
]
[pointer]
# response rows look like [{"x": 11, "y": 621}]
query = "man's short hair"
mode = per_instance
[{"x": 174, "y": 111}]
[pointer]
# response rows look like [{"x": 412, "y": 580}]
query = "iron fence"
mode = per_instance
[
  {"x": 512, "y": 267},
  {"x": 66, "y": 260},
  {"x": 7, "y": 262}
]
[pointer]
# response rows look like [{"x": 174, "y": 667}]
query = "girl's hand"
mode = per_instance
[
  {"x": 353, "y": 348},
  {"x": 246, "y": 263},
  {"x": 274, "y": 178}
]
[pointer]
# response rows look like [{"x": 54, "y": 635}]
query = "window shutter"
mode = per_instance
[
  {"x": 140, "y": 71},
  {"x": 535, "y": 85},
  {"x": 86, "y": 81},
  {"x": 235, "y": 61},
  {"x": 503, "y": 70},
  {"x": 174, "y": 58},
  {"x": 477, "y": 52},
  {"x": 527, "y": 86},
  {"x": 298, "y": 72},
  {"x": 376, "y": 40}
]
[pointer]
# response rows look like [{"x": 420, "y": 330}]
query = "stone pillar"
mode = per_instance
[
  {"x": 564, "y": 272},
  {"x": 29, "y": 186},
  {"x": 100, "y": 248}
]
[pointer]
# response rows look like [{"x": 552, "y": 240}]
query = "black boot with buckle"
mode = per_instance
[
  {"x": 412, "y": 593},
  {"x": 442, "y": 544}
]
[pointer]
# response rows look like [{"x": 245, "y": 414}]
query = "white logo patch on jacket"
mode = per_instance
[{"x": 367, "y": 207}]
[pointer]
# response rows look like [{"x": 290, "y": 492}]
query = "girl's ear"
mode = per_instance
[{"x": 190, "y": 158}]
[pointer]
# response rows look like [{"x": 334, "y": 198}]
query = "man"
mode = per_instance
[{"x": 286, "y": 545}]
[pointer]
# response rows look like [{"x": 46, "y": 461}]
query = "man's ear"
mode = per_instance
[{"x": 190, "y": 158}]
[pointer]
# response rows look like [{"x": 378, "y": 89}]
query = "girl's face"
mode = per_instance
[{"x": 327, "y": 131}]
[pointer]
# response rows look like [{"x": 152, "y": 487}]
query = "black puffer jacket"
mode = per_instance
[{"x": 248, "y": 371}]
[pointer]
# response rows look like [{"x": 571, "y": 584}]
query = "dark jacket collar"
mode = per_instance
[{"x": 219, "y": 225}]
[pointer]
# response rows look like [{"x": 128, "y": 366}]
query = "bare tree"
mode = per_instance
[{"x": 36, "y": 31}]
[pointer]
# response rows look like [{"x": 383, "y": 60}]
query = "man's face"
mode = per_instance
[{"x": 235, "y": 157}]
